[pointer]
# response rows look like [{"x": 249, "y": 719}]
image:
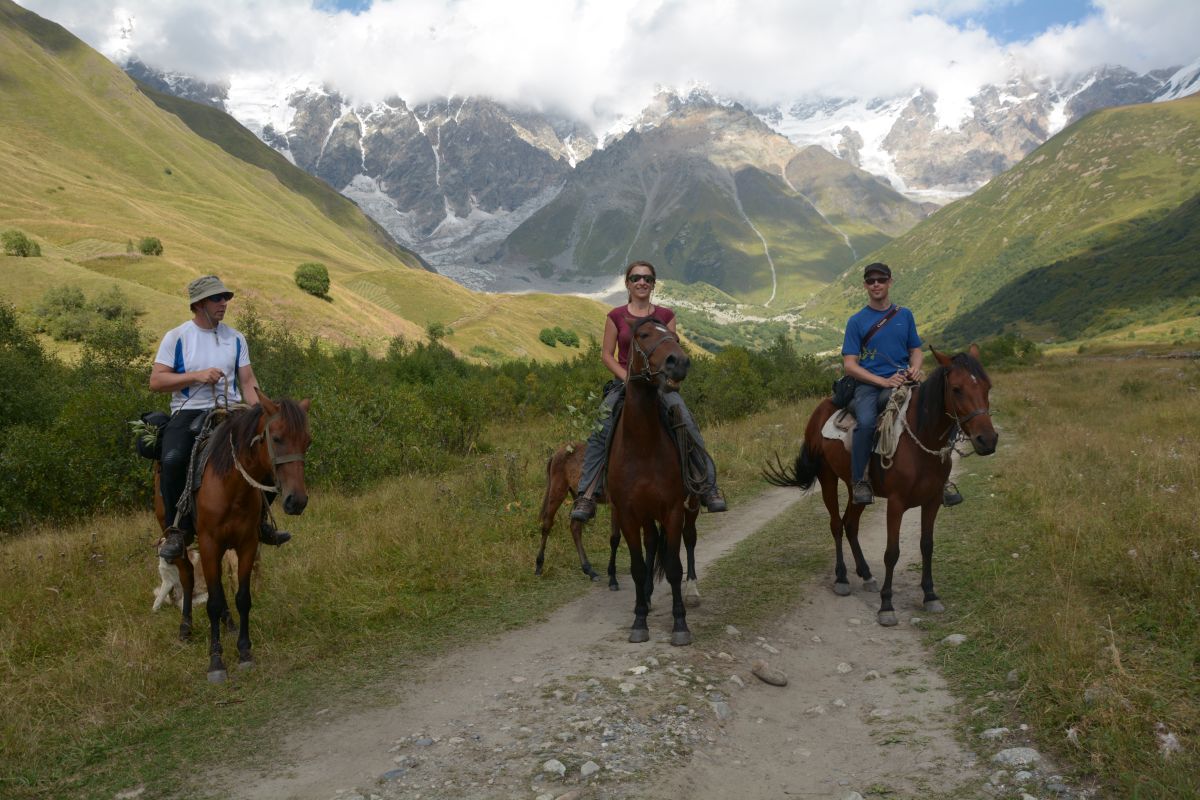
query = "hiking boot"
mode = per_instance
[
  {"x": 714, "y": 502},
  {"x": 584, "y": 508},
  {"x": 950, "y": 495},
  {"x": 268, "y": 535},
  {"x": 862, "y": 494},
  {"x": 173, "y": 545}
]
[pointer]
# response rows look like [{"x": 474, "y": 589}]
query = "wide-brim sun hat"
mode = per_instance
[{"x": 205, "y": 286}]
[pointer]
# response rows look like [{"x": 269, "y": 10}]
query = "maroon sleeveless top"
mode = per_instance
[{"x": 621, "y": 318}]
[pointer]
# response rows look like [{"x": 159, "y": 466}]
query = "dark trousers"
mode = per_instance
[{"x": 177, "y": 441}]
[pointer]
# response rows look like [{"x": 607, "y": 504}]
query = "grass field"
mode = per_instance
[{"x": 1078, "y": 568}]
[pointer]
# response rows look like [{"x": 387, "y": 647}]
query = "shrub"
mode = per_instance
[
  {"x": 313, "y": 278},
  {"x": 552, "y": 336},
  {"x": 17, "y": 243},
  {"x": 65, "y": 313},
  {"x": 547, "y": 337},
  {"x": 436, "y": 331},
  {"x": 150, "y": 246}
]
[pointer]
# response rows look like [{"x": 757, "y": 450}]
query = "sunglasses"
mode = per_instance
[
  {"x": 222, "y": 297},
  {"x": 874, "y": 281},
  {"x": 641, "y": 276}
]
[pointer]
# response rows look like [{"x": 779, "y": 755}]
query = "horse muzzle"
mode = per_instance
[
  {"x": 294, "y": 504},
  {"x": 985, "y": 442},
  {"x": 675, "y": 369}
]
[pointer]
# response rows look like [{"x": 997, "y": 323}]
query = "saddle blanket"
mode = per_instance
[{"x": 842, "y": 424}]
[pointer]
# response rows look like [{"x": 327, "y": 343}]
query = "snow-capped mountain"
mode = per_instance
[{"x": 939, "y": 150}]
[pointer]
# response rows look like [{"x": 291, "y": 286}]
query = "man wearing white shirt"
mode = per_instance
[{"x": 202, "y": 362}]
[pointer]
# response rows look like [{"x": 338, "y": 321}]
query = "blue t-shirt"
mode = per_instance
[{"x": 887, "y": 352}]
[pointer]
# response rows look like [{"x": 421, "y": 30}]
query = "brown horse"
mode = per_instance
[
  {"x": 562, "y": 476},
  {"x": 952, "y": 402},
  {"x": 645, "y": 481},
  {"x": 255, "y": 449}
]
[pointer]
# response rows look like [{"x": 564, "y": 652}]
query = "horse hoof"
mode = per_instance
[
  {"x": 692, "y": 601},
  {"x": 538, "y": 572},
  {"x": 841, "y": 589},
  {"x": 934, "y": 606},
  {"x": 887, "y": 618},
  {"x": 871, "y": 585},
  {"x": 185, "y": 634},
  {"x": 612, "y": 587},
  {"x": 247, "y": 664},
  {"x": 639, "y": 635},
  {"x": 591, "y": 573},
  {"x": 217, "y": 676},
  {"x": 681, "y": 638}
]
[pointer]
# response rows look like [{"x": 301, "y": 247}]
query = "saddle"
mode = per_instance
[
  {"x": 887, "y": 427},
  {"x": 691, "y": 454},
  {"x": 202, "y": 448}
]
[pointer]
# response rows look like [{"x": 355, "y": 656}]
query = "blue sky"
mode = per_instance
[{"x": 1023, "y": 20}]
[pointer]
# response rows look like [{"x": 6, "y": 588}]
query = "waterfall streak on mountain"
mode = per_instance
[
  {"x": 853, "y": 252},
  {"x": 737, "y": 201},
  {"x": 329, "y": 135}
]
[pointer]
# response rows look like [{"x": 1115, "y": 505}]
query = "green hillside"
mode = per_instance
[
  {"x": 1099, "y": 187},
  {"x": 695, "y": 194},
  {"x": 89, "y": 162}
]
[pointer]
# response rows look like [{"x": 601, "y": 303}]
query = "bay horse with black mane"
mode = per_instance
[
  {"x": 645, "y": 480},
  {"x": 255, "y": 449},
  {"x": 952, "y": 401}
]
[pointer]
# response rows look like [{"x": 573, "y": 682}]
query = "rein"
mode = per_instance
[
  {"x": 275, "y": 460},
  {"x": 944, "y": 453}
]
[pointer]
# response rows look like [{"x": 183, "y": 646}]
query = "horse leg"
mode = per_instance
[
  {"x": 650, "y": 533},
  {"x": 853, "y": 515},
  {"x": 577, "y": 536},
  {"x": 680, "y": 635},
  {"x": 614, "y": 542},
  {"x": 541, "y": 556},
  {"x": 210, "y": 560},
  {"x": 187, "y": 579},
  {"x": 829, "y": 494},
  {"x": 929, "y": 513},
  {"x": 691, "y": 587},
  {"x": 895, "y": 513},
  {"x": 246, "y": 555},
  {"x": 640, "y": 632}
]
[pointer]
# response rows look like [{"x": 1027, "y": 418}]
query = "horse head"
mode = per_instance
[
  {"x": 656, "y": 356},
  {"x": 284, "y": 427},
  {"x": 965, "y": 397}
]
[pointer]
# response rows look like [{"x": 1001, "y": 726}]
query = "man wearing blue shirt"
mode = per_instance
[{"x": 890, "y": 357}]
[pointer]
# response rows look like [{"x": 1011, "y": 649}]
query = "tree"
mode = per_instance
[
  {"x": 313, "y": 278},
  {"x": 17, "y": 243},
  {"x": 150, "y": 246}
]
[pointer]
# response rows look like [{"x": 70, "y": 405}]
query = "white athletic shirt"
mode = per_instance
[{"x": 189, "y": 348}]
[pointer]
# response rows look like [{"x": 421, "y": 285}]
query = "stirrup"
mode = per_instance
[
  {"x": 950, "y": 495},
  {"x": 268, "y": 535},
  {"x": 173, "y": 545},
  {"x": 583, "y": 509}
]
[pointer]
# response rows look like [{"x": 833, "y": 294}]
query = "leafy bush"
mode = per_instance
[
  {"x": 65, "y": 313},
  {"x": 552, "y": 336},
  {"x": 313, "y": 278},
  {"x": 17, "y": 243},
  {"x": 436, "y": 331},
  {"x": 150, "y": 246},
  {"x": 1008, "y": 350}
]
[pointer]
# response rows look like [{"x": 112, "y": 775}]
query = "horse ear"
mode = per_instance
[
  {"x": 265, "y": 401},
  {"x": 942, "y": 358},
  {"x": 304, "y": 404},
  {"x": 973, "y": 351}
]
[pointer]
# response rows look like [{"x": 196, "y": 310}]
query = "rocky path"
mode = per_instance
[{"x": 567, "y": 708}]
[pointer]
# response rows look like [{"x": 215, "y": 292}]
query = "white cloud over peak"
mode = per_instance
[{"x": 599, "y": 59}]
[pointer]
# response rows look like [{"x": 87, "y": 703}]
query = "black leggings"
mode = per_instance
[{"x": 177, "y": 442}]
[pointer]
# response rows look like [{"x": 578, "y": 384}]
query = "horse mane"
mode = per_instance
[
  {"x": 931, "y": 400},
  {"x": 242, "y": 424}
]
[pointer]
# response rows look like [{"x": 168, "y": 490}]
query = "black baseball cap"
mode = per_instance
[{"x": 880, "y": 267}]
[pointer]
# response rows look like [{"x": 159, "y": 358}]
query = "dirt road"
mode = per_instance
[{"x": 568, "y": 707}]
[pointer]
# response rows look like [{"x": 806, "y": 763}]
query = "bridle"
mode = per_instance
[
  {"x": 646, "y": 373},
  {"x": 961, "y": 421},
  {"x": 274, "y": 459}
]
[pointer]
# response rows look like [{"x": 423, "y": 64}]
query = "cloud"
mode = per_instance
[{"x": 596, "y": 59}]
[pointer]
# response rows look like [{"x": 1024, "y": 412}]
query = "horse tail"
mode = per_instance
[
  {"x": 808, "y": 462},
  {"x": 660, "y": 559}
]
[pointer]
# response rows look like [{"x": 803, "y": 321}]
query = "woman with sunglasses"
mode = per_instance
[
  {"x": 201, "y": 363},
  {"x": 614, "y": 352}
]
